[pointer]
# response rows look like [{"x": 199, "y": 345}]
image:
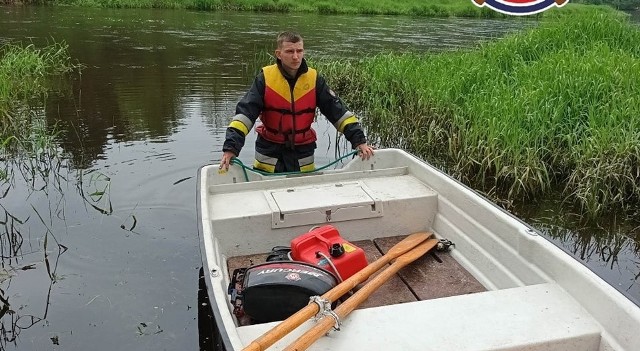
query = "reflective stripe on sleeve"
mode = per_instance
[
  {"x": 241, "y": 123},
  {"x": 346, "y": 119}
]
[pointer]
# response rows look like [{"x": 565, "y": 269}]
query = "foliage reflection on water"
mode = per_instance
[
  {"x": 27, "y": 241},
  {"x": 18, "y": 255},
  {"x": 609, "y": 245}
]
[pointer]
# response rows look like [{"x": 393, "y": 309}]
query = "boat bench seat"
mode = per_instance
[
  {"x": 356, "y": 203},
  {"x": 533, "y": 318}
]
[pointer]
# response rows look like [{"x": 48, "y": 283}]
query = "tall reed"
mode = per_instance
[
  {"x": 557, "y": 104},
  {"x": 24, "y": 70},
  {"x": 25, "y": 73}
]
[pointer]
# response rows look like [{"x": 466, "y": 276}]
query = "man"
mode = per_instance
[{"x": 285, "y": 96}]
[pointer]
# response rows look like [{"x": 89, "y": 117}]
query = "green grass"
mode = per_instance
[
  {"x": 25, "y": 74},
  {"x": 623, "y": 5},
  {"x": 24, "y": 71},
  {"x": 558, "y": 104},
  {"x": 426, "y": 8},
  {"x": 421, "y": 8}
]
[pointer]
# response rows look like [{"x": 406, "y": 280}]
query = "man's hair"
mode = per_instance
[{"x": 291, "y": 37}]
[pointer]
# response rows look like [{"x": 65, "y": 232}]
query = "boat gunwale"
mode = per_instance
[
  {"x": 225, "y": 338},
  {"x": 287, "y": 182}
]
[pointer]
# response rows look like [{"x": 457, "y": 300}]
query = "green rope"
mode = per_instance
[{"x": 237, "y": 161}]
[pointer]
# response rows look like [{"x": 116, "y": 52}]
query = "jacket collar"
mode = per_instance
[{"x": 303, "y": 69}]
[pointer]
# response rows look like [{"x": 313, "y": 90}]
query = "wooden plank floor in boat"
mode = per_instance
[{"x": 432, "y": 276}]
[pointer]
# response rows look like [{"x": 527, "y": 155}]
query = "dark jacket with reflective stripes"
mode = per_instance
[{"x": 280, "y": 119}]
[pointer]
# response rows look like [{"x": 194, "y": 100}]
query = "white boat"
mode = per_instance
[{"x": 519, "y": 291}]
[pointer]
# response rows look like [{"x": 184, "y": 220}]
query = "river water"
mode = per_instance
[{"x": 100, "y": 249}]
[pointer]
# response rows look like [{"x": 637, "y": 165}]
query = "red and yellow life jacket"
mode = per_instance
[{"x": 288, "y": 113}]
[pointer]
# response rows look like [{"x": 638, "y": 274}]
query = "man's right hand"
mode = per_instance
[{"x": 227, "y": 156}]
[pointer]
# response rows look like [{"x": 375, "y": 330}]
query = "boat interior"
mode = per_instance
[
  {"x": 434, "y": 275},
  {"x": 501, "y": 286}
]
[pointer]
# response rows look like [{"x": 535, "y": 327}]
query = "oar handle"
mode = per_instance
[
  {"x": 285, "y": 327},
  {"x": 327, "y": 322}
]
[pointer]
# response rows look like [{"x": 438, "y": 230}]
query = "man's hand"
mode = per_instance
[
  {"x": 364, "y": 151},
  {"x": 227, "y": 156}
]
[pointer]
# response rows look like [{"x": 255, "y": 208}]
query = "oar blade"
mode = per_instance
[
  {"x": 408, "y": 243},
  {"x": 326, "y": 322},
  {"x": 417, "y": 252}
]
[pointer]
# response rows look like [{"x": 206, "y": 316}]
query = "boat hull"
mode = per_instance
[{"x": 536, "y": 296}]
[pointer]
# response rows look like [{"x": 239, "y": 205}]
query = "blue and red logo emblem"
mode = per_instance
[{"x": 520, "y": 7}]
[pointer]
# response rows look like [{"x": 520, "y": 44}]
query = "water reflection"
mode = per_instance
[
  {"x": 610, "y": 247},
  {"x": 149, "y": 69},
  {"x": 40, "y": 219},
  {"x": 30, "y": 251},
  {"x": 21, "y": 263}
]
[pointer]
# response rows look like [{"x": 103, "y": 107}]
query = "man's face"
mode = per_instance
[{"x": 291, "y": 55}]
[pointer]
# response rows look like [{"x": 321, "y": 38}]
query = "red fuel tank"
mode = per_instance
[{"x": 324, "y": 243}]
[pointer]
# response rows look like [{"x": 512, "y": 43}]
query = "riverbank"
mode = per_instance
[
  {"x": 554, "y": 106},
  {"x": 422, "y": 8}
]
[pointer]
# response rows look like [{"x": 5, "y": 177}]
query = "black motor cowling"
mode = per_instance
[{"x": 273, "y": 291}]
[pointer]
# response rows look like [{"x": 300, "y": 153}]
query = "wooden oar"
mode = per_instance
[
  {"x": 327, "y": 322},
  {"x": 285, "y": 327}
]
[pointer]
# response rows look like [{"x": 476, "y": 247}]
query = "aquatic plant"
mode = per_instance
[
  {"x": 24, "y": 70},
  {"x": 557, "y": 104},
  {"x": 25, "y": 74}
]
